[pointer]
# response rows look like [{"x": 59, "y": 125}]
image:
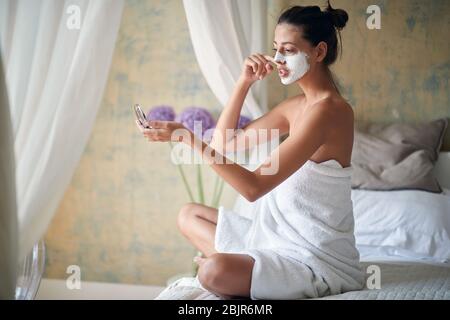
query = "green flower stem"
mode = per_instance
[
  {"x": 217, "y": 200},
  {"x": 201, "y": 195},
  {"x": 183, "y": 176},
  {"x": 216, "y": 184}
]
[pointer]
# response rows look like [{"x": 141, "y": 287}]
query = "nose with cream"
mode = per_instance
[{"x": 297, "y": 65}]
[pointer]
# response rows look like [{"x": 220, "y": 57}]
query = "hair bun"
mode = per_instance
[{"x": 338, "y": 17}]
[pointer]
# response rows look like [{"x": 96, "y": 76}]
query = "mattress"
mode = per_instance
[
  {"x": 404, "y": 281},
  {"x": 398, "y": 281}
]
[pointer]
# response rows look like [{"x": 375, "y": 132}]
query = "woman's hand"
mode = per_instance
[
  {"x": 256, "y": 67},
  {"x": 163, "y": 131}
]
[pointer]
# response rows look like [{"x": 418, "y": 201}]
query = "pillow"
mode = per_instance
[
  {"x": 402, "y": 225},
  {"x": 397, "y": 156}
]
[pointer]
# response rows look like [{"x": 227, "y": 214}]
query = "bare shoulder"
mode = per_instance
[
  {"x": 332, "y": 115},
  {"x": 292, "y": 107},
  {"x": 292, "y": 102},
  {"x": 289, "y": 108},
  {"x": 335, "y": 109}
]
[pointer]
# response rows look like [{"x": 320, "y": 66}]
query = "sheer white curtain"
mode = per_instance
[
  {"x": 223, "y": 34},
  {"x": 56, "y": 71}
]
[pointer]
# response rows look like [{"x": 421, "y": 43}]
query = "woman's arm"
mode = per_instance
[
  {"x": 229, "y": 117},
  {"x": 251, "y": 135},
  {"x": 287, "y": 158},
  {"x": 255, "y": 67}
]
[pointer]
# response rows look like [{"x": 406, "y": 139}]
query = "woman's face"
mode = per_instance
[{"x": 291, "y": 48}]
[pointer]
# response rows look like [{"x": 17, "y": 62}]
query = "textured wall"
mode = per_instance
[{"x": 117, "y": 220}]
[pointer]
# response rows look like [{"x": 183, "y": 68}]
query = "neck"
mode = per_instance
[{"x": 317, "y": 85}]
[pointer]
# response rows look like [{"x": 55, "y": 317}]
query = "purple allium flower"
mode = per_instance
[
  {"x": 243, "y": 120},
  {"x": 162, "y": 113},
  {"x": 190, "y": 115}
]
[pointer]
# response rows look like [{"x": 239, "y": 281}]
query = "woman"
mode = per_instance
[{"x": 300, "y": 241}]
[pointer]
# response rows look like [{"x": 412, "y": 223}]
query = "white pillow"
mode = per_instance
[{"x": 402, "y": 224}]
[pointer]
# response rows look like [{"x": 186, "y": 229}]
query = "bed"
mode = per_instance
[
  {"x": 404, "y": 281},
  {"x": 413, "y": 261}
]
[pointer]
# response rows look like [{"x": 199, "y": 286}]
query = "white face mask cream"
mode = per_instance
[{"x": 297, "y": 65}]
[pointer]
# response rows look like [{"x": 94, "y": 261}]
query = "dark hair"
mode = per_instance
[{"x": 318, "y": 25}]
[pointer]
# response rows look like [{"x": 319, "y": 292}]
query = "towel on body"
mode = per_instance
[{"x": 300, "y": 235}]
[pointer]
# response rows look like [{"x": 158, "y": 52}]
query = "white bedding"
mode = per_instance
[
  {"x": 405, "y": 281},
  {"x": 399, "y": 281},
  {"x": 410, "y": 225}
]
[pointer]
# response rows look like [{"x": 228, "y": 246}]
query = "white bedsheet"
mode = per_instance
[
  {"x": 405, "y": 281},
  {"x": 399, "y": 281}
]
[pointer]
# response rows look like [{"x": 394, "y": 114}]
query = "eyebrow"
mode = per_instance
[{"x": 285, "y": 43}]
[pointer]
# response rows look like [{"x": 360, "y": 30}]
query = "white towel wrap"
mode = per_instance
[{"x": 300, "y": 235}]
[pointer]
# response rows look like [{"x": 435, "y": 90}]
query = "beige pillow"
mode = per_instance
[{"x": 397, "y": 156}]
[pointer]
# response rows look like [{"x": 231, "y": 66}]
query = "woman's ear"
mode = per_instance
[{"x": 321, "y": 51}]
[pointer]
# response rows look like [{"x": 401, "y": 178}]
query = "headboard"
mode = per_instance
[{"x": 442, "y": 170}]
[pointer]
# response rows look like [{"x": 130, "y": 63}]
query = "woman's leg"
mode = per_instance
[
  {"x": 198, "y": 224},
  {"x": 226, "y": 274}
]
